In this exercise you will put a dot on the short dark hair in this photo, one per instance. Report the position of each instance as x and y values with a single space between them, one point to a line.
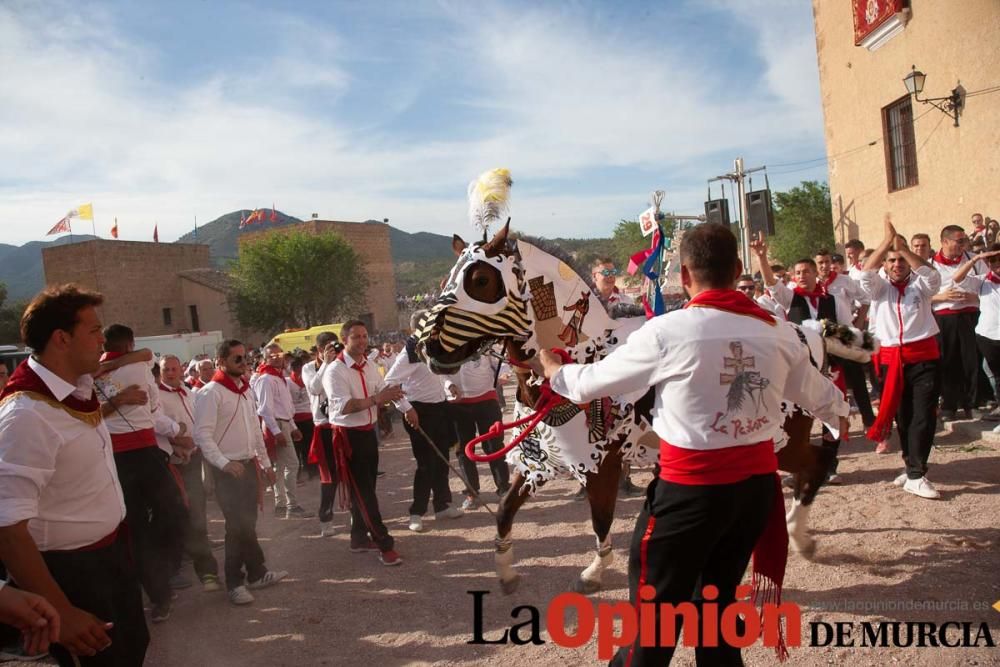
854 244
710 254
777 267
822 252
837 258
55 308
948 230
745 277
222 349
601 260
324 338
806 260
348 325
297 363
921 235
117 337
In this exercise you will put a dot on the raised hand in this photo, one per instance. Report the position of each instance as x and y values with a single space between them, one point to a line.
759 246
890 230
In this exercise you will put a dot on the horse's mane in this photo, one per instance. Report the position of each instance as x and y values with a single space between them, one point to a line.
551 248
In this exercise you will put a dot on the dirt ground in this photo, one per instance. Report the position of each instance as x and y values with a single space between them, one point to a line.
877 546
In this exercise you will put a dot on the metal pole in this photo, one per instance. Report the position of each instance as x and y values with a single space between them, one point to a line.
744 227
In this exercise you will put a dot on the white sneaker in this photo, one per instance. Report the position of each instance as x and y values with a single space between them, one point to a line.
921 487
450 512
416 524
996 429
900 481
269 579
834 479
470 504
240 595
327 529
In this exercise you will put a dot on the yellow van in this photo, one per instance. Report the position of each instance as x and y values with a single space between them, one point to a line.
303 338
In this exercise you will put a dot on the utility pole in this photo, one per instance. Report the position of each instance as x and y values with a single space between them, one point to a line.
737 177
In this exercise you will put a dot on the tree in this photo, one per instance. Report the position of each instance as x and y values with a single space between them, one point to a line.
803 222
296 279
10 319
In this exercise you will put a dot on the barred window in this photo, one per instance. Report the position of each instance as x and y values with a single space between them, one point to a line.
900 144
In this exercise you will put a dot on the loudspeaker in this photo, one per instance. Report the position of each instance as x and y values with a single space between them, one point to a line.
760 214
717 211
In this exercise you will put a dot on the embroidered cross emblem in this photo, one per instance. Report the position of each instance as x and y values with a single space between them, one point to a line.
736 363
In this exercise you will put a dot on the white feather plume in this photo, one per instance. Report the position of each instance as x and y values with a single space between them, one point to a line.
489 199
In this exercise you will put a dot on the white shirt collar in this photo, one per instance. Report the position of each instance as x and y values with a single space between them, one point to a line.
59 387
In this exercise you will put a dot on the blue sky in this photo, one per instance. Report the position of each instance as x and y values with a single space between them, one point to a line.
158 112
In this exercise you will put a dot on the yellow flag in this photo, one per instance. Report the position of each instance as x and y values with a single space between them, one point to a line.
86 212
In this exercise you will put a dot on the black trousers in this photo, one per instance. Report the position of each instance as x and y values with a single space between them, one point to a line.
917 415
472 419
431 473
327 492
364 503
155 515
104 582
196 543
687 537
305 427
990 349
854 376
959 360
237 498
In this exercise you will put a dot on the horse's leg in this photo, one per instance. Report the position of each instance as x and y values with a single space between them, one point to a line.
809 465
602 492
504 555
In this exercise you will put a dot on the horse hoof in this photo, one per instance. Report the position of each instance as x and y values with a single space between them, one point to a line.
508 586
586 586
805 548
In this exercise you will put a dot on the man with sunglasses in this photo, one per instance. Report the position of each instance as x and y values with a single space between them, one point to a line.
228 433
605 276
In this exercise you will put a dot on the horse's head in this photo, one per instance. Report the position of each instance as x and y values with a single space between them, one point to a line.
482 302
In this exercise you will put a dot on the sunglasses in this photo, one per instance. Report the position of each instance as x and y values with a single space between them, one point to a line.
745 288
607 272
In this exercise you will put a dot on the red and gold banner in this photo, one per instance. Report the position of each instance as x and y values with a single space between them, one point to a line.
870 14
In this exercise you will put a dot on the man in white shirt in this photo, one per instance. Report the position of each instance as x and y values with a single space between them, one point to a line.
302 417
274 405
321 446
475 408
720 368
228 433
425 406
61 506
156 512
905 326
177 403
355 389
957 312
988 327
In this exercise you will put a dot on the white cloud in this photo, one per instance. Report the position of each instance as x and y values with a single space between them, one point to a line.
561 98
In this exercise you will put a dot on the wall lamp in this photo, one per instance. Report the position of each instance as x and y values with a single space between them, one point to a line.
951 105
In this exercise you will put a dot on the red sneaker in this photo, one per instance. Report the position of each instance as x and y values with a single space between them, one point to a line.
390 558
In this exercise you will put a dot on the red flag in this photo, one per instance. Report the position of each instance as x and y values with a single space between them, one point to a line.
274 214
114 230
156 233
61 226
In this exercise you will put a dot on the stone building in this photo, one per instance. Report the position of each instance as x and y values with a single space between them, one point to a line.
890 152
371 241
154 288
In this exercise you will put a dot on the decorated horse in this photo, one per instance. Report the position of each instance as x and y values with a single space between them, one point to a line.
526 295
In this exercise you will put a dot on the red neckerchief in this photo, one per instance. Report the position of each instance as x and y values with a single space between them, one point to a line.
267 369
108 356
829 279
228 382
993 278
940 258
297 379
197 384
25 379
731 301
353 364
813 296
179 390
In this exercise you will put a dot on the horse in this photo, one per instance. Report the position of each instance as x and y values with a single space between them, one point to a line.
516 292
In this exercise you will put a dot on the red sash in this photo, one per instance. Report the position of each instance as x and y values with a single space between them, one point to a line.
894 359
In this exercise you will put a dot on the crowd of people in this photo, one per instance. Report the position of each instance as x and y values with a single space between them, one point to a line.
108 457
